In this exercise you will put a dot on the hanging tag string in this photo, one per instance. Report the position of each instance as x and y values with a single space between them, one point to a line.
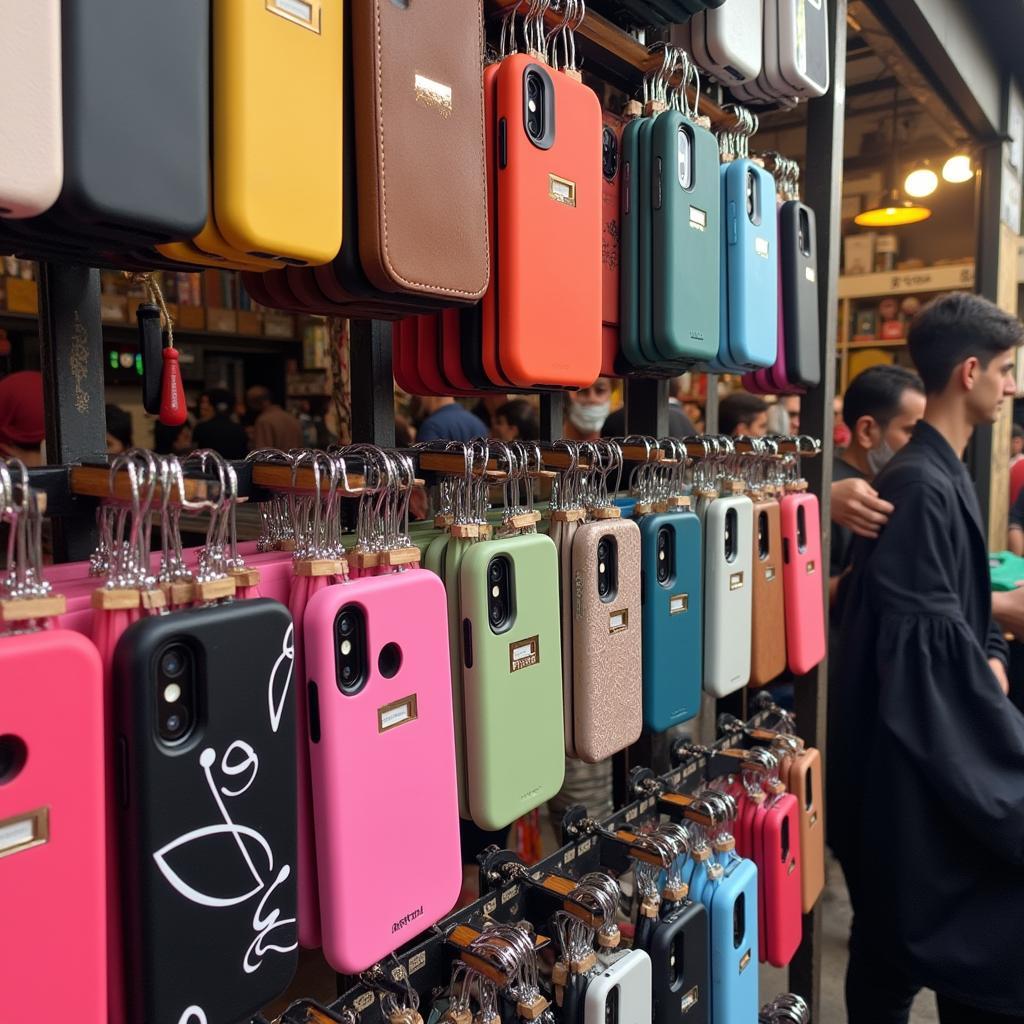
156 296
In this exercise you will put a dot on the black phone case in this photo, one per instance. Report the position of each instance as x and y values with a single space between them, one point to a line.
209 825
800 295
680 967
136 96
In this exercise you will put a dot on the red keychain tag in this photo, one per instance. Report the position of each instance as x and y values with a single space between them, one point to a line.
173 410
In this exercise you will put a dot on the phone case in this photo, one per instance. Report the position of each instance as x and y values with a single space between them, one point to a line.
686 240
513 682
727 596
796 46
728 42
270 138
798 243
209 825
611 205
132 187
780 868
632 213
734 940
31 131
802 579
398 719
679 950
645 246
672 637
607 647
804 781
628 976
454 552
768 613
549 211
53 824
752 267
419 119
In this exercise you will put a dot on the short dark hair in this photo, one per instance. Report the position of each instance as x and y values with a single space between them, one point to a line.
222 400
1017 430
520 413
119 424
737 409
955 327
878 392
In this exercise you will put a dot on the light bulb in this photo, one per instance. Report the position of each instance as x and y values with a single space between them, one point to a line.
921 182
957 169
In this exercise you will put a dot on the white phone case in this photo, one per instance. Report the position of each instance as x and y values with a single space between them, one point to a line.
727 595
630 974
803 46
31 131
727 42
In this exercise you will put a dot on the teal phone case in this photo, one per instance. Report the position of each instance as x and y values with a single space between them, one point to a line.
645 247
686 236
672 629
629 247
515 756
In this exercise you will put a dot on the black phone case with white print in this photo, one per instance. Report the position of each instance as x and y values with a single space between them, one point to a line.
208 825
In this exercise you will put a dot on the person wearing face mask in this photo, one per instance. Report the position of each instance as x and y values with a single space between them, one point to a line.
587 409
881 407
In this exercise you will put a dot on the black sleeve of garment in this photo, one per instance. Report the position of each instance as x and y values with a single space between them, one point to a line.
938 699
996 645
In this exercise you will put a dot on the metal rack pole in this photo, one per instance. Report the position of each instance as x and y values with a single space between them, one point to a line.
373 386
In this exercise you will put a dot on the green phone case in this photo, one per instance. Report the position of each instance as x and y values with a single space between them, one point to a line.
645 245
513 682
454 553
629 247
686 244
433 557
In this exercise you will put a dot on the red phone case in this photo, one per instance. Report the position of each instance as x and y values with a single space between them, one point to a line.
450 349
611 199
802 582
549 233
403 351
53 828
427 328
780 868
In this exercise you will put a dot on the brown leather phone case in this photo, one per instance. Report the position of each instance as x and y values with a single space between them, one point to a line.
420 147
803 779
768 615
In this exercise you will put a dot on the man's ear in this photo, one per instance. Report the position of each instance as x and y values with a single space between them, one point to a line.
968 372
862 431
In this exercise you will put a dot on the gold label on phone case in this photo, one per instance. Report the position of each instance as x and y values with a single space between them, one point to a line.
689 1000
523 653
363 1002
434 95
678 603
813 819
618 620
761 247
698 219
744 961
561 190
300 12
810 274
736 581
810 568
391 716
769 573
24 831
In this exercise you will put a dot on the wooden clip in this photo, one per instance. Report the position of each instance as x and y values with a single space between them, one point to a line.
21 609
650 907
153 600
533 1009
321 567
639 853
361 560
568 515
214 590
632 110
676 893
638 453
465 531
659 506
523 520
245 577
606 512
679 501
442 522
108 599
179 593
400 556
95 482
680 802
643 508
586 963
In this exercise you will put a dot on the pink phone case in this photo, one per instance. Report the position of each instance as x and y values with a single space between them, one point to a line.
764 926
802 583
53 886
780 869
384 788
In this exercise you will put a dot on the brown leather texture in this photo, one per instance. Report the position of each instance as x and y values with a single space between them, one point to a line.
422 183
607 670
805 783
768 612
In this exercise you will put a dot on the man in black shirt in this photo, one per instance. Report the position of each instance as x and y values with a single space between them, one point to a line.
221 432
926 772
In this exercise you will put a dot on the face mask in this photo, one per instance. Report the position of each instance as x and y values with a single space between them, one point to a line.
878 458
588 419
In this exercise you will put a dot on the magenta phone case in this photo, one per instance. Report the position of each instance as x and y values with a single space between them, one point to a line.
383 764
802 582
780 870
53 887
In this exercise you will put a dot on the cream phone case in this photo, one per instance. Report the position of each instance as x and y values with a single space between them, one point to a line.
31 132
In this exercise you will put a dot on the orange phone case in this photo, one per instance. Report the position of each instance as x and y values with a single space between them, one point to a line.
768 612
611 200
803 780
549 237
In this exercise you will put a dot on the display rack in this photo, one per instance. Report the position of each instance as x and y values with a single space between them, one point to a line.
71 344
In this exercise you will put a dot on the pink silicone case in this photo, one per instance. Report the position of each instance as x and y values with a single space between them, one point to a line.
53 894
384 789
781 874
803 589
764 925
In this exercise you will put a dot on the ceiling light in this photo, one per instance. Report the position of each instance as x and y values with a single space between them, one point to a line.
893 212
921 182
957 169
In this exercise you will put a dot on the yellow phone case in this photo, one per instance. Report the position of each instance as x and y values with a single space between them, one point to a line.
277 96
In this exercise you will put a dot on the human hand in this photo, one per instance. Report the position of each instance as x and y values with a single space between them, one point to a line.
1008 610
857 506
999 671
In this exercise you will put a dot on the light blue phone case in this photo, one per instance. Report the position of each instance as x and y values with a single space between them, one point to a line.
734 971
